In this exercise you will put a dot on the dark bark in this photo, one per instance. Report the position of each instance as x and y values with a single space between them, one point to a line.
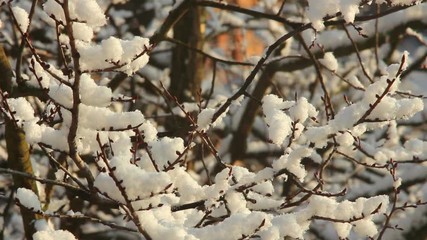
17 148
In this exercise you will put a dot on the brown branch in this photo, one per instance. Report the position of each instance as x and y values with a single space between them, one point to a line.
277 18
329 108
256 69
372 16
238 143
44 180
91 219
250 12
414 65
128 208
353 219
173 17
385 92
356 49
281 8
76 100
377 37
18 150
375 104
225 61
22 44
52 159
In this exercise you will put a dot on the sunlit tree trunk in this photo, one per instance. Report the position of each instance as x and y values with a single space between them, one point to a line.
17 148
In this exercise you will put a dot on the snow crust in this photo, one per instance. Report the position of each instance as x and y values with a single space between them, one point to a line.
54 235
28 199
87 11
21 17
317 10
120 55
45 231
329 61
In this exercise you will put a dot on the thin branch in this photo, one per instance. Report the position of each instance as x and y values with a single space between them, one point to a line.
72 145
44 180
22 44
256 69
228 62
52 159
358 53
128 208
281 8
329 108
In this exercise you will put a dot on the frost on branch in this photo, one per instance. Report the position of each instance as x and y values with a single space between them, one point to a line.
115 54
204 119
280 125
128 174
348 9
87 11
319 9
375 109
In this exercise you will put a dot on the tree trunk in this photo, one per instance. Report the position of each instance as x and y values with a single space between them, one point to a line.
18 149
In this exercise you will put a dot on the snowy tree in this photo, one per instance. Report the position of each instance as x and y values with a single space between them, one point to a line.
194 119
